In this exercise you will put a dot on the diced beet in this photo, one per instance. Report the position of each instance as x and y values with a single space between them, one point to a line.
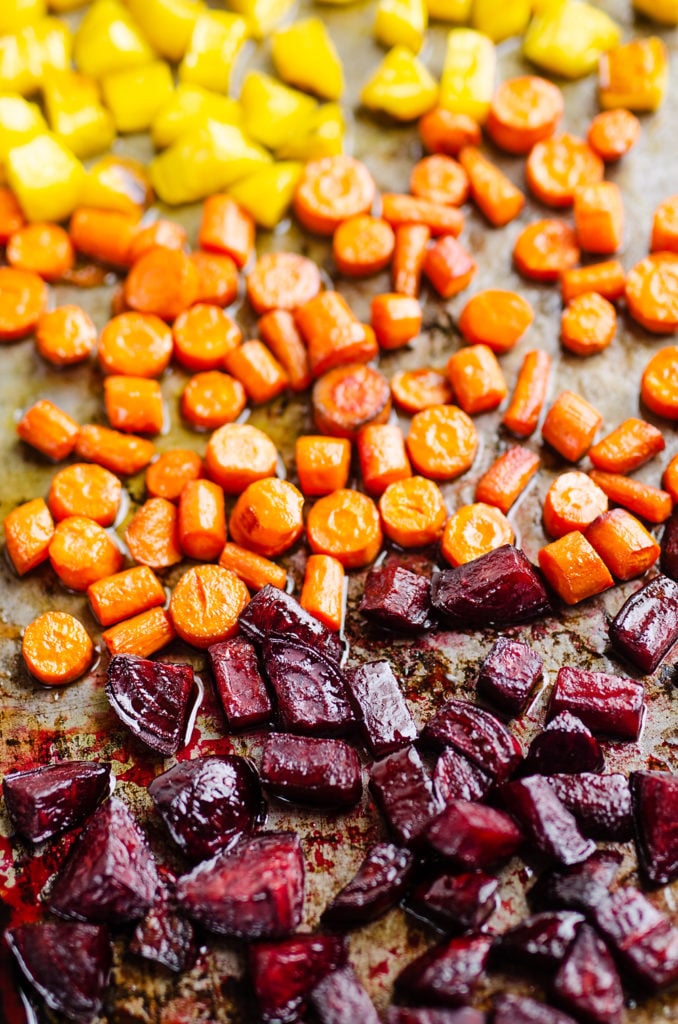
655 808
417 1015
110 875
456 902
208 802
253 891
501 588
642 937
310 770
67 964
163 936
477 734
473 835
580 887
510 1009
546 821
398 598
608 704
600 803
341 999
274 613
384 718
377 886
457 778
310 690
42 802
566 746
448 974
669 546
284 972
646 626
151 698
404 793
540 941
587 982
509 675
239 682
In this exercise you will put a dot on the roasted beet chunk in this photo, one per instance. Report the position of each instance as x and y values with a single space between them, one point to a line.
377 886
580 887
163 936
646 626
110 875
310 690
254 891
341 999
310 770
546 821
600 803
669 555
473 835
207 803
284 972
151 699
457 778
240 685
404 794
273 613
42 802
565 745
509 674
655 807
478 735
68 964
456 902
446 975
642 937
587 982
397 598
500 588
381 710
416 1015
605 703
540 941
510 1009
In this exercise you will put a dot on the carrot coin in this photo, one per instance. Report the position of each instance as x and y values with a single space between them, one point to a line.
587 324
57 648
218 279
441 179
42 248
416 390
545 249
665 226
23 298
442 442
211 399
267 517
81 552
413 512
395 319
29 529
349 398
85 489
572 502
163 282
164 233
152 534
238 454
363 245
474 530
659 383
206 603
652 292
65 335
282 280
331 190
612 133
444 131
138 344
203 336
558 166
346 525
524 110
497 318
171 471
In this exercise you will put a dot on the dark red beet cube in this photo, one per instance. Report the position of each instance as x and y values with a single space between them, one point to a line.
397 598
580 887
341 999
540 941
600 803
446 975
253 891
457 778
546 821
151 698
239 682
643 939
564 746
163 936
310 690
477 734
509 674
273 613
456 902
608 704
587 982
378 885
655 807
417 1015
669 546
404 793
67 964
208 802
41 802
473 835
384 718
500 588
110 875
284 972
646 626
510 1009
310 770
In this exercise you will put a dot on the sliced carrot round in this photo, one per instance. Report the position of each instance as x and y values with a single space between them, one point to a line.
164 233
171 471
206 603
652 292
416 390
43 248
445 131
572 502
136 344
395 319
363 245
558 166
23 298
345 524
413 512
203 337
85 489
65 335
659 383
588 324
282 280
497 318
545 249
612 133
152 534
163 282
218 279
349 398
442 442
237 454
441 179
331 190
665 226
211 399
267 517
524 110
81 552
474 530
57 648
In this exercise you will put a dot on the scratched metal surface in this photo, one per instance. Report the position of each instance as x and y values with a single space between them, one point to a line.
38 725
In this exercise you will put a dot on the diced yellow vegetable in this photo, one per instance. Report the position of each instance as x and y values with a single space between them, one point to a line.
63 6
501 20
665 11
20 121
203 161
469 71
27 54
401 23
167 24
216 41
76 114
108 39
634 75
267 193
117 183
568 39
135 96
262 15
16 14
304 55
322 135
450 10
190 107
401 86
45 177
273 112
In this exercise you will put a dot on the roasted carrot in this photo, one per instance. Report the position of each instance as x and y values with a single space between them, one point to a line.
217 277
267 517
81 552
607 279
138 344
349 398
477 379
411 241
202 520
227 229
546 249
333 333
171 471
324 590
599 217
125 594
362 245
65 335
570 425
652 292
669 480
143 634
523 111
162 282
623 543
612 133
572 502
23 299
573 568
29 529
57 648
346 525
495 195
442 442
257 369
588 324
472 531
152 534
445 131
508 476
134 404
203 337
254 570
282 280
279 332
11 215
211 399
659 383
382 455
48 429
665 226
416 390
395 319
237 454
413 512
558 166
167 234
633 443
85 489
496 317
123 454
323 463
42 248
522 414
449 267
644 500
331 190
206 603
103 235
441 179
399 209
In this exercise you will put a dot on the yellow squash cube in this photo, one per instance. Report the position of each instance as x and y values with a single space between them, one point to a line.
27 54
401 86
458 11
501 20
46 178
108 39
304 55
321 135
117 183
16 14
664 11
273 112
262 15
76 114
268 192
216 41
19 122
568 39
634 75
134 96
190 107
469 72
401 23
167 24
